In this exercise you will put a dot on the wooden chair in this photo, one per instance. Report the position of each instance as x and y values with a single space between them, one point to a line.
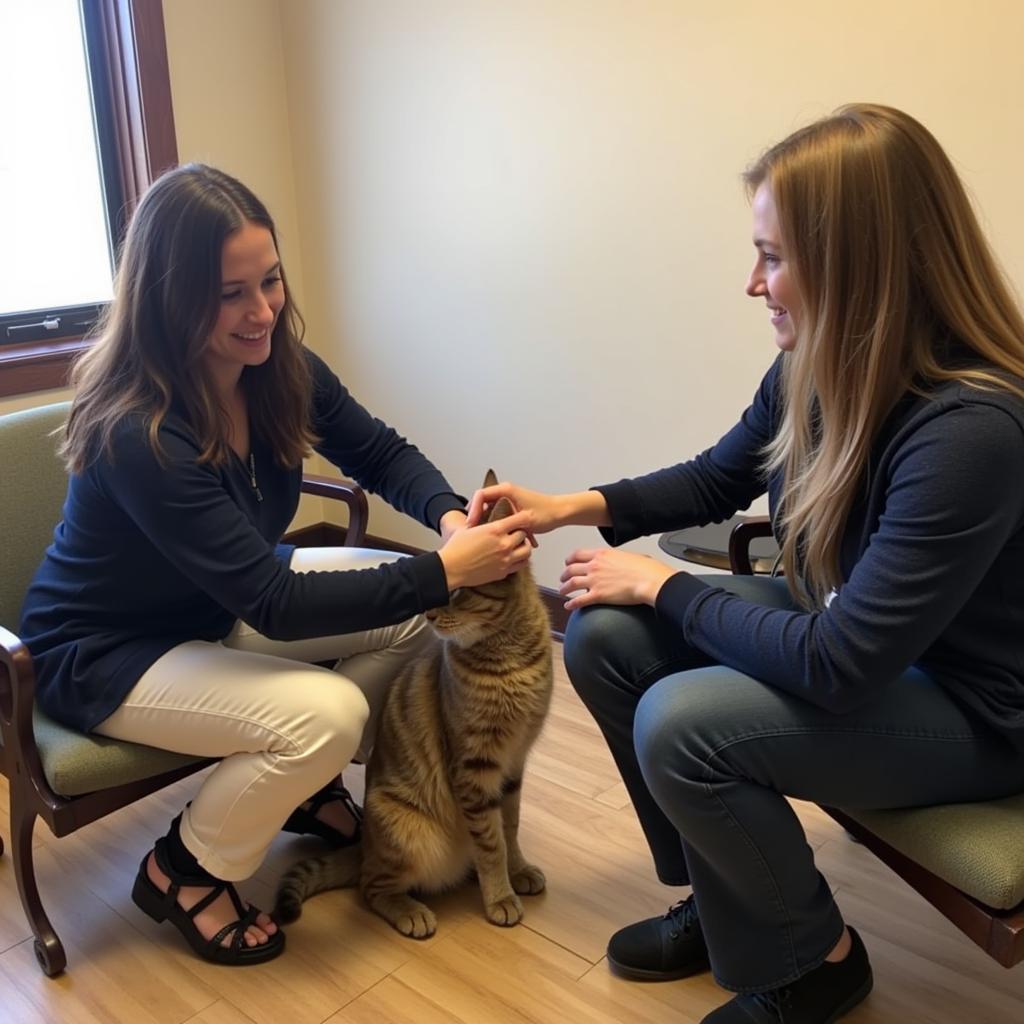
967 860
63 777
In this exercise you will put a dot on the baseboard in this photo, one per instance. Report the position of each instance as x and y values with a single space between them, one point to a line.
330 534
555 604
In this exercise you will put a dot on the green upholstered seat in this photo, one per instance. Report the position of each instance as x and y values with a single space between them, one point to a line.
32 488
75 764
979 848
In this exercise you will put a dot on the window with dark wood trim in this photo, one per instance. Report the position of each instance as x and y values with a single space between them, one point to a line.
132 90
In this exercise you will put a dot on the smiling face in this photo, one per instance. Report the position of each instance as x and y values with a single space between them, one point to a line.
251 298
771 278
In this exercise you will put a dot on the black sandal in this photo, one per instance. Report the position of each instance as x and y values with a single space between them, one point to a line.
164 906
303 820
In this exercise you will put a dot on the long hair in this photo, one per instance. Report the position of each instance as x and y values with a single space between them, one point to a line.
899 292
152 339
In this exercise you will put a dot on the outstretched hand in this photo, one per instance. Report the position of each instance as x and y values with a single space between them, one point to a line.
607 576
541 509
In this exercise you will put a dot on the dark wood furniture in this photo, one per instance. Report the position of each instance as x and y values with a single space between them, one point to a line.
66 779
968 843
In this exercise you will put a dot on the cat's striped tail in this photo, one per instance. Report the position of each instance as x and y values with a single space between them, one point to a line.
337 870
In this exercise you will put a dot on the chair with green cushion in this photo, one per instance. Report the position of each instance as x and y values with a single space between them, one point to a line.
967 860
66 778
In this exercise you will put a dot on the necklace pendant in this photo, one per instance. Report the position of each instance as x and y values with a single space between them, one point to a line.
252 477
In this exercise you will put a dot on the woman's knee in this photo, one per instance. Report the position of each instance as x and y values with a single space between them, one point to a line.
679 723
592 637
329 719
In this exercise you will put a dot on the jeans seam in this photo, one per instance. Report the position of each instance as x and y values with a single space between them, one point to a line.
658 669
779 901
801 730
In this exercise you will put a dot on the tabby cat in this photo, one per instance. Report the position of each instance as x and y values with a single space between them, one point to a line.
443 784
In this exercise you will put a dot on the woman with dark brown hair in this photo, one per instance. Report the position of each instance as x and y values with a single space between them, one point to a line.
167 613
886 669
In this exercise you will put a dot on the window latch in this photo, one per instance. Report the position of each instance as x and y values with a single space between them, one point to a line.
51 323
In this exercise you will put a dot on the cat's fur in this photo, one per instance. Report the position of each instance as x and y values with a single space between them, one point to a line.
443 784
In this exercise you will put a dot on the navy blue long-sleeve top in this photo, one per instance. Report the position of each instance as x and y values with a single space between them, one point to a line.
151 554
931 561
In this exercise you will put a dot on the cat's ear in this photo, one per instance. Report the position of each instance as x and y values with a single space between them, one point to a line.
501 510
504 507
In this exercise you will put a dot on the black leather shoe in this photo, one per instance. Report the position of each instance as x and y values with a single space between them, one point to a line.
660 948
820 997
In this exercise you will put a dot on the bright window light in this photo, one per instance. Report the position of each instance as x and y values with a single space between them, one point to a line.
55 250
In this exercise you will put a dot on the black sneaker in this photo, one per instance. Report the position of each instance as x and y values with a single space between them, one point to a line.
660 948
820 997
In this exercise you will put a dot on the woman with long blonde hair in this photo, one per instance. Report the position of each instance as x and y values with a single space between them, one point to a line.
167 613
885 670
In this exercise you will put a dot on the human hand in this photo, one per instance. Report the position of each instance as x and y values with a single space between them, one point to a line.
607 576
473 555
544 510
451 521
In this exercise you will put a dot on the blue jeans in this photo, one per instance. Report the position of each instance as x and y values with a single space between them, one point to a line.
708 755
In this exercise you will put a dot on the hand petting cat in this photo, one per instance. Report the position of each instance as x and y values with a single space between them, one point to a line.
545 512
474 555
593 575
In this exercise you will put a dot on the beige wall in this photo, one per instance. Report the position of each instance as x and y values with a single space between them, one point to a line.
523 232
517 230
230 110
230 101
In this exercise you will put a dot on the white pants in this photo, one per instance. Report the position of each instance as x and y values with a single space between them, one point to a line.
282 728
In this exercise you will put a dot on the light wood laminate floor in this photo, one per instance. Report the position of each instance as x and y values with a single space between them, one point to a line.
346 966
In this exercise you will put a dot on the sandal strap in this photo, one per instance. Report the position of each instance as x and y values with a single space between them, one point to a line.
208 899
239 927
304 820
216 885
241 908
331 792
163 862
169 898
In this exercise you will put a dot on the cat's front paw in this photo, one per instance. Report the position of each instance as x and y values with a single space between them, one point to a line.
505 912
420 924
528 880
412 918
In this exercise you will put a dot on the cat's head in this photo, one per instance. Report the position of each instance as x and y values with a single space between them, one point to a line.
473 613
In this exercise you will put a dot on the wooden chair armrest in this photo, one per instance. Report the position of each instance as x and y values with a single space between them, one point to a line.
349 492
743 534
17 693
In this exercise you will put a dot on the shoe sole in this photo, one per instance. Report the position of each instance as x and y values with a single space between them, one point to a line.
859 996
642 974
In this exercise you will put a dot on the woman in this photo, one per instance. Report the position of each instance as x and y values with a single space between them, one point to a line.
164 613
885 671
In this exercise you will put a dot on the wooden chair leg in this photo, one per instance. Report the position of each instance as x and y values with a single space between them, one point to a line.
47 947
